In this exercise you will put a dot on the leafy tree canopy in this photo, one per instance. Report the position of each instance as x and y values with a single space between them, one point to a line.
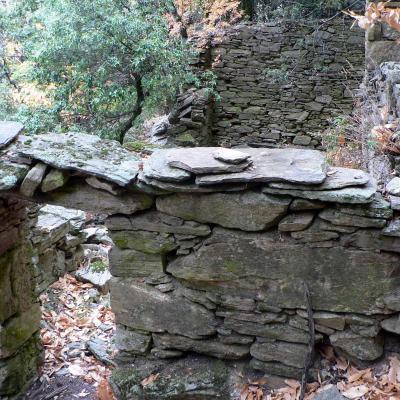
99 63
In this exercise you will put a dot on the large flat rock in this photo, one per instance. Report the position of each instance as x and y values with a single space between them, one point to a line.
85 153
8 132
248 211
282 165
337 178
348 195
252 264
84 197
202 160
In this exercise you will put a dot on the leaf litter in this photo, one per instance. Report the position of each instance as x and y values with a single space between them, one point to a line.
380 383
73 314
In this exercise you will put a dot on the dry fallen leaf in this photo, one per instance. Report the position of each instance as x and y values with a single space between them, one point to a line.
104 391
151 378
356 392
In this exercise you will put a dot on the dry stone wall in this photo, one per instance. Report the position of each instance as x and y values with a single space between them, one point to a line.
37 247
277 82
213 249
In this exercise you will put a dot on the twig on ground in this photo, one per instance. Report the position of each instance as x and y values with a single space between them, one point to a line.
310 355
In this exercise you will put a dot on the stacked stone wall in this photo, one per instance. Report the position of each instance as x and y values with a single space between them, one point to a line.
213 249
20 313
277 83
36 247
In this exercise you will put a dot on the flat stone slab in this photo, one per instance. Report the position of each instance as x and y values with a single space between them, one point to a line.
156 167
230 156
201 160
85 153
11 174
248 211
8 132
337 178
184 187
350 195
282 165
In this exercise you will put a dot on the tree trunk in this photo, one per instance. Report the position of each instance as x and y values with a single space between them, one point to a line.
137 110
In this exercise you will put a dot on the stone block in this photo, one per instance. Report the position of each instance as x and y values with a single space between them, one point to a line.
142 307
256 211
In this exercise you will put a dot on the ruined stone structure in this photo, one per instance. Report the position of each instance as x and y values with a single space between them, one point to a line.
36 248
278 83
213 249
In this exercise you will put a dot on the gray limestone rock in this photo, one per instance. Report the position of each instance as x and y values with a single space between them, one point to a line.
330 320
250 264
249 211
55 179
201 160
156 168
11 174
292 354
351 195
166 354
76 218
155 221
392 324
285 165
99 348
144 241
305 205
18 330
99 184
356 346
378 208
140 306
230 156
296 222
130 341
337 178
395 202
373 240
33 179
84 197
392 300
9 131
133 263
89 154
189 378
313 234
393 229
330 393
98 277
275 331
209 347
185 187
338 218
277 368
393 187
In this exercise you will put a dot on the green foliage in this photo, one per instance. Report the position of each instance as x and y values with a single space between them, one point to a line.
99 62
98 266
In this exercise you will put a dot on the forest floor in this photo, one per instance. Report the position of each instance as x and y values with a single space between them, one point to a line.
77 330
